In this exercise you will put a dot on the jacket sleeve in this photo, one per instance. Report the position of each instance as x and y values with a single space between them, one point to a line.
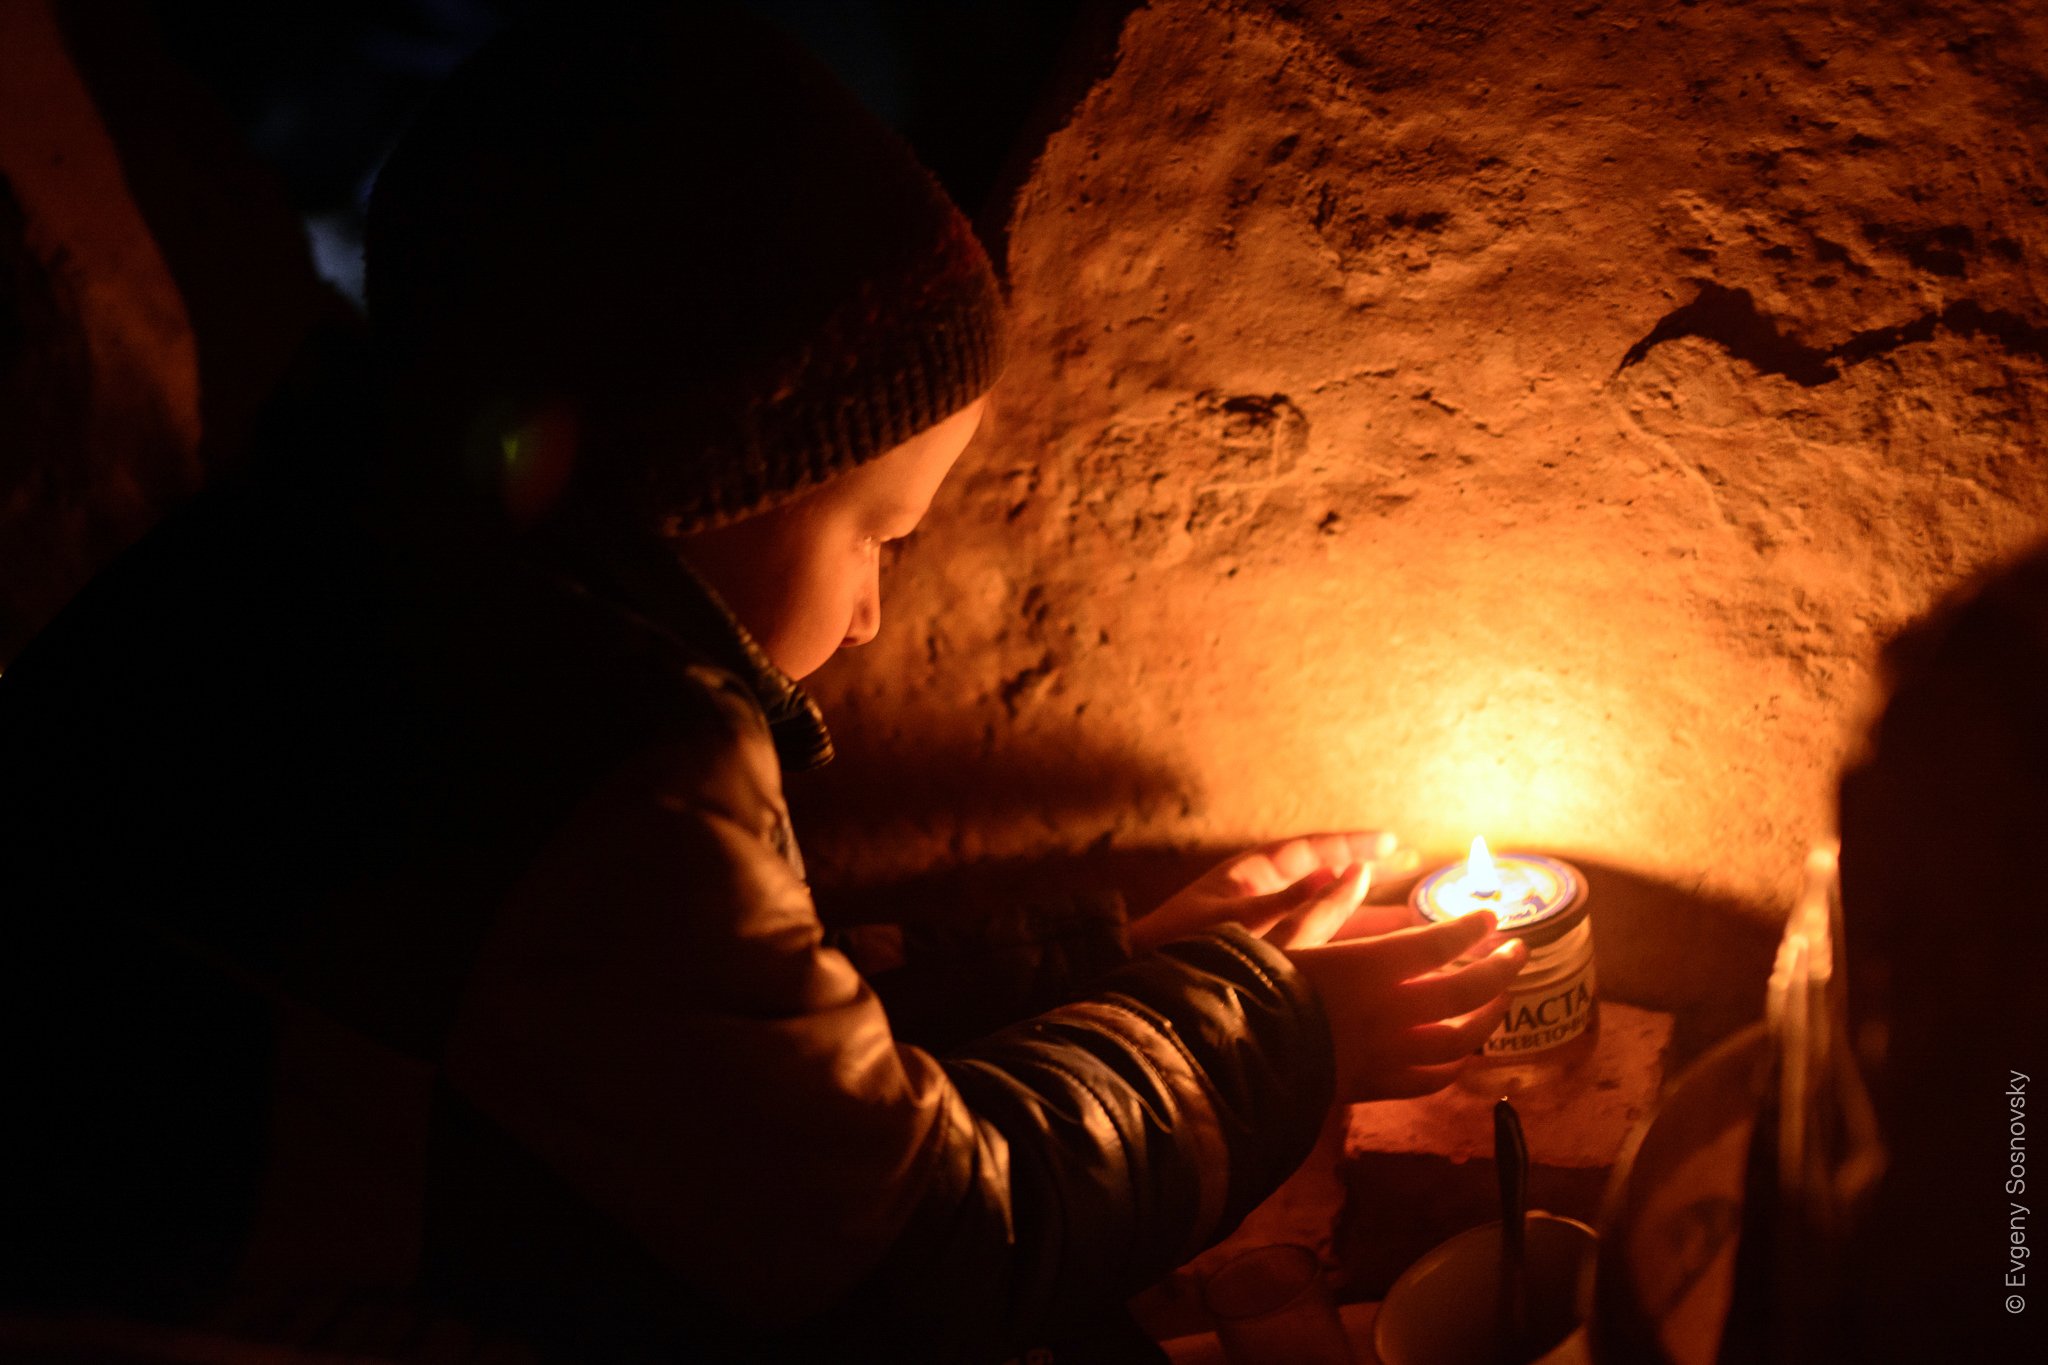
963 962
656 1018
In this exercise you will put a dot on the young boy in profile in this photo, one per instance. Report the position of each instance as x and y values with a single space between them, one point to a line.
410 884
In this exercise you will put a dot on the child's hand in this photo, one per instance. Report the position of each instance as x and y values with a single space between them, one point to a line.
1293 893
1401 1019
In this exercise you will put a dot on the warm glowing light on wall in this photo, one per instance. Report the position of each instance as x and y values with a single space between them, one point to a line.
1543 759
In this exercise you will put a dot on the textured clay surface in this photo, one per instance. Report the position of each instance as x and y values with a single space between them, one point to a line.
1522 419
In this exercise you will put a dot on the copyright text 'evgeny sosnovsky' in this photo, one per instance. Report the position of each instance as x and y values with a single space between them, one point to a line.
2015 1185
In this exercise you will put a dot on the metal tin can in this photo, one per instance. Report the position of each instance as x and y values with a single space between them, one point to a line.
1543 902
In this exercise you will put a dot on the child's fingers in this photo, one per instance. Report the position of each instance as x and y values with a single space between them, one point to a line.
1373 921
1253 874
1324 912
1296 857
1376 844
1398 862
1447 995
1264 914
1378 963
1446 1040
1334 849
1415 1081
1343 847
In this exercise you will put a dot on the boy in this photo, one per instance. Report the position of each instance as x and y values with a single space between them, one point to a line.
402 856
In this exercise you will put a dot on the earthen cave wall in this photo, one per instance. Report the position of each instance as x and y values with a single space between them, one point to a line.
1526 419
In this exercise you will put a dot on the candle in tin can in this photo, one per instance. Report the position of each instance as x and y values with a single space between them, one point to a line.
1541 901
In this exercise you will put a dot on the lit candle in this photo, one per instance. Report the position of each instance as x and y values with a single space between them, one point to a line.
1541 901
1522 889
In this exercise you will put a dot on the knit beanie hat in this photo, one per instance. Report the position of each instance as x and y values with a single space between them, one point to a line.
682 225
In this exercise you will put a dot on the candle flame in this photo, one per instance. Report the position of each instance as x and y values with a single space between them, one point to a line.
1482 878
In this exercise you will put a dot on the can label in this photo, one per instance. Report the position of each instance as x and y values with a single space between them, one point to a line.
1553 1013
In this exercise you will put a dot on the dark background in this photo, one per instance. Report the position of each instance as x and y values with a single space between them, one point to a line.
321 89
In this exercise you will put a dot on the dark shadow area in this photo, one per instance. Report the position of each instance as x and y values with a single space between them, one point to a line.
45 416
1070 69
1702 958
936 800
1729 318
984 83
1140 878
1966 318
1400 1204
322 90
219 216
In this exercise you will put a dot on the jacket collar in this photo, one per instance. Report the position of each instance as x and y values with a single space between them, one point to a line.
644 574
794 721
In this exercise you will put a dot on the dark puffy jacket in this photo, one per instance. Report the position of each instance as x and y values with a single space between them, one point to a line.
406 944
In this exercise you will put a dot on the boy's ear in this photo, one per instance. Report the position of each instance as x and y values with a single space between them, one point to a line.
535 455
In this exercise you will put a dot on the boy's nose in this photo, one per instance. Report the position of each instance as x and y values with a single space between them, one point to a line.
867 615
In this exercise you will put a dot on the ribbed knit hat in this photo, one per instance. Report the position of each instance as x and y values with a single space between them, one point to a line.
683 225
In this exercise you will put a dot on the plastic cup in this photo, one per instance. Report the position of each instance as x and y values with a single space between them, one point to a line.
1272 1308
1444 1310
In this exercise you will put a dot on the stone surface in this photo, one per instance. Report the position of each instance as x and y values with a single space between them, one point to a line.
1519 418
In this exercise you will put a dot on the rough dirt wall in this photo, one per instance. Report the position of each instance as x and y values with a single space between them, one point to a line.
1518 418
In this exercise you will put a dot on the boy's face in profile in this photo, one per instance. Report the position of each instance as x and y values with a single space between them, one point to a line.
805 577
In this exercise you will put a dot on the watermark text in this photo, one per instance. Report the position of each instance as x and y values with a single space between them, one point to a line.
2017 1251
